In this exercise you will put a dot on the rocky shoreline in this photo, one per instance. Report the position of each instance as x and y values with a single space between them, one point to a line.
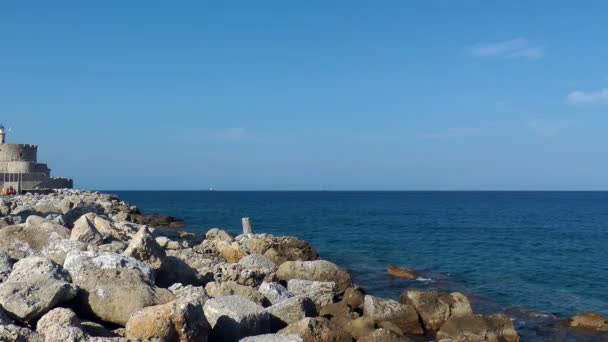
84 266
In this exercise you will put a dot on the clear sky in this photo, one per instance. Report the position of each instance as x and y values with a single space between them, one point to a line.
311 95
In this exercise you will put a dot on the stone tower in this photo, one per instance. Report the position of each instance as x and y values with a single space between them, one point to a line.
20 169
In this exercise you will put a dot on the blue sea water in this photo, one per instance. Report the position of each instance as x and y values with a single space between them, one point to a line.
544 251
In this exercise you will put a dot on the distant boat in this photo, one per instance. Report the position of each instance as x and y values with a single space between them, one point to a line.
211 189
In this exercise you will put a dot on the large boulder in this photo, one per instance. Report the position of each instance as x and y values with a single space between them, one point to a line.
249 277
84 231
61 325
230 288
495 328
144 247
384 335
231 252
35 286
180 320
261 264
274 292
435 308
318 270
292 310
402 315
321 292
58 247
317 329
277 248
590 321
233 318
113 286
31 238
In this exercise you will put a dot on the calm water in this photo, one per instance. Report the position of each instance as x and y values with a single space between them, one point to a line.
545 251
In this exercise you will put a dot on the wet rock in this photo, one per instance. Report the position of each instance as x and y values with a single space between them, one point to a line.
401 272
495 328
292 310
402 315
35 286
84 231
435 308
318 270
113 286
321 293
230 288
233 318
590 321
144 247
317 329
274 292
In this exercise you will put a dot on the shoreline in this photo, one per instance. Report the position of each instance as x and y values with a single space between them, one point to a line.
81 234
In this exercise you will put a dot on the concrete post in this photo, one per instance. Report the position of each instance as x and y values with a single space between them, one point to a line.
247 226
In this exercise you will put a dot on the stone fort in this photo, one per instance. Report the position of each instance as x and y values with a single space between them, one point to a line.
20 168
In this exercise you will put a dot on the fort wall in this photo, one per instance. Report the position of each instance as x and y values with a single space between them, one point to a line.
15 152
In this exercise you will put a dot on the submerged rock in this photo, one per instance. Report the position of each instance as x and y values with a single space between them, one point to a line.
35 286
401 272
590 321
495 328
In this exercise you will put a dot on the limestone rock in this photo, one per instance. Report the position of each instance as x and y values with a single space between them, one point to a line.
58 248
273 338
318 270
384 335
322 293
116 247
317 329
15 333
401 272
292 310
233 318
144 247
112 286
495 328
277 249
274 292
6 265
230 251
84 231
215 234
335 309
435 308
590 321
29 239
35 286
180 320
61 325
402 315
230 288
261 264
353 297
249 277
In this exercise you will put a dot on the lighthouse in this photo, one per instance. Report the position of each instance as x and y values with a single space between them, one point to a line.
2 135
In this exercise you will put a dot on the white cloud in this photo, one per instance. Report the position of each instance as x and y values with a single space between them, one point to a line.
452 132
580 97
514 48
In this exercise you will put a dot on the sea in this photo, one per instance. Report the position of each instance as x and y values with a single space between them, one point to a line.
539 257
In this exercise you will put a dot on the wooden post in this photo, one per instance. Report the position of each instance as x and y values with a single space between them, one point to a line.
247 226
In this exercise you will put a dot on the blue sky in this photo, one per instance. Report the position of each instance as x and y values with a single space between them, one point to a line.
310 95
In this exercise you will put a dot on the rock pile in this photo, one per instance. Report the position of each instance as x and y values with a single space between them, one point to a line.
84 266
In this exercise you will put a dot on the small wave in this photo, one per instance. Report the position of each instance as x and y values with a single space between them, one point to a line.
423 279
